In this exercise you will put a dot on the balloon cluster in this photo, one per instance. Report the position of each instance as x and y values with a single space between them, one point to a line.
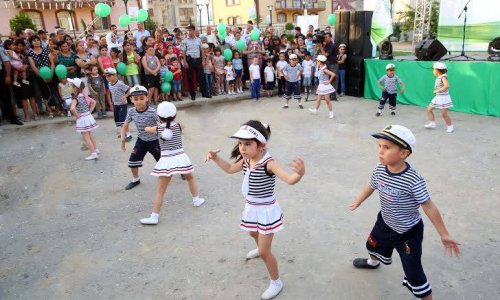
46 73
221 28
166 86
142 15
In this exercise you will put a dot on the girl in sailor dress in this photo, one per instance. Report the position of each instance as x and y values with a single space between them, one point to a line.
442 100
82 108
325 87
262 216
173 159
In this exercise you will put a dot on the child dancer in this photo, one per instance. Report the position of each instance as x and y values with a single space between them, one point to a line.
389 89
143 115
269 77
308 66
230 74
325 87
85 123
218 62
97 91
254 73
119 95
262 216
442 100
399 224
238 68
292 73
173 159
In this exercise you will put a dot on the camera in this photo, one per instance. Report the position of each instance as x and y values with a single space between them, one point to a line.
319 36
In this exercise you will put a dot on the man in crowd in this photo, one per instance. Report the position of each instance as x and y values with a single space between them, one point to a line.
211 37
44 38
192 59
91 46
8 109
139 35
298 33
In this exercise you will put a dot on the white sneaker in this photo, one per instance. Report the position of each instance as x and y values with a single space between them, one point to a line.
152 220
313 110
330 115
92 156
273 290
198 201
450 129
253 253
97 151
431 125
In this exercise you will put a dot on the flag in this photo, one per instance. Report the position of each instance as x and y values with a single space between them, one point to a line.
382 21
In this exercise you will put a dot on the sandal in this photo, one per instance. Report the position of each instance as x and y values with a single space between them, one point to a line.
362 263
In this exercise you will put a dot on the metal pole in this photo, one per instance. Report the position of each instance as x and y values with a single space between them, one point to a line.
126 11
271 17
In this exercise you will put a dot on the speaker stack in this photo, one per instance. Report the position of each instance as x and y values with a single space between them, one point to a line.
353 28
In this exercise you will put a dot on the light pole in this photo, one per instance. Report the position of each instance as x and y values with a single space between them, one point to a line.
207 4
200 6
68 6
126 11
304 2
270 8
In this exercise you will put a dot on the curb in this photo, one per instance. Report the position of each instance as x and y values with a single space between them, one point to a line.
181 105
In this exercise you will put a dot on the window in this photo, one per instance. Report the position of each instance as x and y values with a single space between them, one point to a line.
101 23
281 18
66 19
230 21
36 18
237 20
232 2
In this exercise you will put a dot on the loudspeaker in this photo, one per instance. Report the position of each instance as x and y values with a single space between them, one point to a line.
430 50
360 26
355 76
342 27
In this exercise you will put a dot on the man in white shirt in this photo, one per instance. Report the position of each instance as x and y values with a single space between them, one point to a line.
211 38
230 38
141 33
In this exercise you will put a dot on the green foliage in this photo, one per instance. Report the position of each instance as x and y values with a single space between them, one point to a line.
407 18
290 37
150 25
434 18
396 30
21 21
289 26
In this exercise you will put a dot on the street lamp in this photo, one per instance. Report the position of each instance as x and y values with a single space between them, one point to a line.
304 2
68 7
207 3
200 6
270 8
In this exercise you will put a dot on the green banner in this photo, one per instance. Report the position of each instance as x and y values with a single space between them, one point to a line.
474 86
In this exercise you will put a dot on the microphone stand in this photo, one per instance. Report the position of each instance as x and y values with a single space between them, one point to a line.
462 54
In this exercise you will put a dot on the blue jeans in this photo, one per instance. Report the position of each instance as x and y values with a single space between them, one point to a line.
256 89
209 79
342 81
176 86
133 80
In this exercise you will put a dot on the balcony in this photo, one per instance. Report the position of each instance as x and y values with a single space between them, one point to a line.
294 6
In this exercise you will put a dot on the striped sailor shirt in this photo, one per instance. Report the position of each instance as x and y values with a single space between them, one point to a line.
400 196
143 119
390 83
258 185
175 143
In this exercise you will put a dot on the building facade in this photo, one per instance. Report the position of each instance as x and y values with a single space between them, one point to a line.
173 13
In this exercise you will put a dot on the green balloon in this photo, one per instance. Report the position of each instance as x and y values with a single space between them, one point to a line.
255 34
61 71
240 45
331 19
121 68
166 87
142 15
222 35
103 10
45 73
124 20
228 54
221 27
168 76
98 8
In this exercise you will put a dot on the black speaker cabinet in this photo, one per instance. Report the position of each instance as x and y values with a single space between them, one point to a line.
430 49
360 26
342 27
355 76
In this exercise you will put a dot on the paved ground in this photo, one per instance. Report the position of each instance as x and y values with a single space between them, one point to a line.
68 230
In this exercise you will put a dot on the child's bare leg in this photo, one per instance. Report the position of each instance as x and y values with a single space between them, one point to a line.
161 187
446 117
108 100
193 188
328 103
265 243
88 142
318 101
255 236
430 114
92 140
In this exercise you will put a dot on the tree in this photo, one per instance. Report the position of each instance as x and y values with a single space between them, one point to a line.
407 18
434 18
21 21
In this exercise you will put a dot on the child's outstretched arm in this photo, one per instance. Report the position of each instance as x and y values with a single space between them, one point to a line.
432 212
297 165
124 134
365 193
224 165
402 87
151 129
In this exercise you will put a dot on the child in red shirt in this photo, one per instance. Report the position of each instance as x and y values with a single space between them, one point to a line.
176 83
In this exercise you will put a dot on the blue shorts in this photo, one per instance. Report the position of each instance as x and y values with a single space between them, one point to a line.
140 149
383 240
239 73
176 85
307 81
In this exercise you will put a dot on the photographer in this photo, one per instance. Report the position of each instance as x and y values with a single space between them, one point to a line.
329 49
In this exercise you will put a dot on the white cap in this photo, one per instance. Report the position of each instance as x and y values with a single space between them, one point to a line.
293 56
248 132
110 71
390 66
166 110
399 135
342 46
439 66
321 58
75 81
138 90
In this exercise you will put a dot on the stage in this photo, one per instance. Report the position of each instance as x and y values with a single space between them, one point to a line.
474 85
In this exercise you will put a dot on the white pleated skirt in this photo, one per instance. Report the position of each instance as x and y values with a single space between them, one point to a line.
442 101
173 162
264 219
86 123
325 89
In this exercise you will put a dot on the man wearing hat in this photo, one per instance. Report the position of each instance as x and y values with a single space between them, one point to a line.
192 61
143 115
399 225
